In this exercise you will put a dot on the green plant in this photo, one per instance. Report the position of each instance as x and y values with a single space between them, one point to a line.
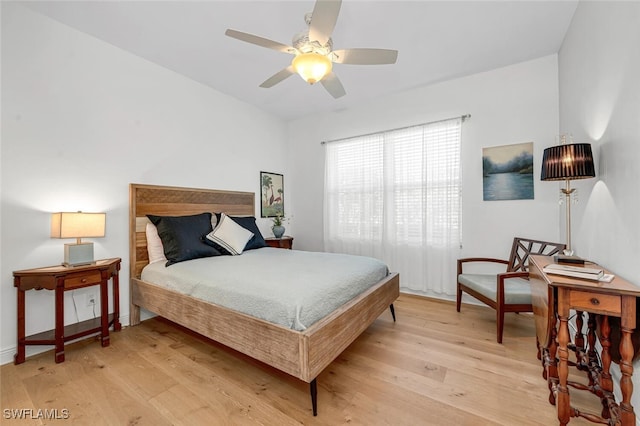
278 220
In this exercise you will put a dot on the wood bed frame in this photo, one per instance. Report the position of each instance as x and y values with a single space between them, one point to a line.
302 354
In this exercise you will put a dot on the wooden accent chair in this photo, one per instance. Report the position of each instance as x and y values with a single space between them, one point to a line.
508 291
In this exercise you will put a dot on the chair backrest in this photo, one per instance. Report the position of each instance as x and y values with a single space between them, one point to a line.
523 247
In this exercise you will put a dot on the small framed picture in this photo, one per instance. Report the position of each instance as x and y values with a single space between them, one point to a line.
271 194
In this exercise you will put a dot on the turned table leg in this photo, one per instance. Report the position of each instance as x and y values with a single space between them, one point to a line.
628 324
579 337
562 399
552 369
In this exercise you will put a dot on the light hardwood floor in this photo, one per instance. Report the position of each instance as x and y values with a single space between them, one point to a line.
434 366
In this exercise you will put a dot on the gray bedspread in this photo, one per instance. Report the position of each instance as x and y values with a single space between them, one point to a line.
292 288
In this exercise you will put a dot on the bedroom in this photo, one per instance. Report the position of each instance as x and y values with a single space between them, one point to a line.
88 138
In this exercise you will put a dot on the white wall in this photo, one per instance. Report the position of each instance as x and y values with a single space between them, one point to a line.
81 120
515 104
599 65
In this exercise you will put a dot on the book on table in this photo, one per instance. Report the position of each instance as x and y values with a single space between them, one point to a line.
575 271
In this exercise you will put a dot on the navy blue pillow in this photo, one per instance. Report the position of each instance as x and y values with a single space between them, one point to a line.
181 236
249 223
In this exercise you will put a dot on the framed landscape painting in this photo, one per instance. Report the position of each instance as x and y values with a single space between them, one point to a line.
508 172
271 194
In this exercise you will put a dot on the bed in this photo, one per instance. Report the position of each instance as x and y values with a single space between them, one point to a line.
303 354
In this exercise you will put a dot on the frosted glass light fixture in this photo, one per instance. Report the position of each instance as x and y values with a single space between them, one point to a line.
312 66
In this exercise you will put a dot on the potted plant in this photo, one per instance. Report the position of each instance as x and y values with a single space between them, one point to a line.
278 228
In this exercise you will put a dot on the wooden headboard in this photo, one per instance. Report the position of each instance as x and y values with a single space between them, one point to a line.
175 201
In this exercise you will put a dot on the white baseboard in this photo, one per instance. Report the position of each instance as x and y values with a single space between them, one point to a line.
465 297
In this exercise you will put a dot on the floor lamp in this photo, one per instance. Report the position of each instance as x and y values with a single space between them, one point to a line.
568 162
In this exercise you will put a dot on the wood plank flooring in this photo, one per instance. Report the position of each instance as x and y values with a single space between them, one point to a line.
434 366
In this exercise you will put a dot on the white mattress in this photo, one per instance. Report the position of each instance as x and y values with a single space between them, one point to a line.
292 288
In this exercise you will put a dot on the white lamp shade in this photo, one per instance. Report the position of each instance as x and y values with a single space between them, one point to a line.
77 225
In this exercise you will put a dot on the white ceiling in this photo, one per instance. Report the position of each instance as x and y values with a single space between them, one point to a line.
436 40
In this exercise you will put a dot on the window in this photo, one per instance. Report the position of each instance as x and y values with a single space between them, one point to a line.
396 193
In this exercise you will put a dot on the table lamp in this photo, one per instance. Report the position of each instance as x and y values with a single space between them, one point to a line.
78 225
568 162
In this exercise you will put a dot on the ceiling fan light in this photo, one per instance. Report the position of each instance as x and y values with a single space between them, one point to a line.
312 67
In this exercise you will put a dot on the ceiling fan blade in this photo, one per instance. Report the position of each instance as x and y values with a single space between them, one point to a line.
260 41
323 20
365 56
333 85
278 77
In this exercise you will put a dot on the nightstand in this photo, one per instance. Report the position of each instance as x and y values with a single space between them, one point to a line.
603 301
60 279
285 242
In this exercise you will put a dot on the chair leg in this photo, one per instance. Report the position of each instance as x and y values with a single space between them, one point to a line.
458 298
500 323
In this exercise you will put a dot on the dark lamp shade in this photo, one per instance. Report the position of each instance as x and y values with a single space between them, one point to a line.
568 162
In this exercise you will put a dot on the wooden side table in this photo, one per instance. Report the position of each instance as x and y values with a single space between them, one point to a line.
614 299
285 242
60 279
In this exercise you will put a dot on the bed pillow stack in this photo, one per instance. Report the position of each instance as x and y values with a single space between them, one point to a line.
174 239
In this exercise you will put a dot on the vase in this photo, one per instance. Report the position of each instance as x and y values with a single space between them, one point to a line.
278 231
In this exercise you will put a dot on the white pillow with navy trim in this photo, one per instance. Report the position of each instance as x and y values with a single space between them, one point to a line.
229 235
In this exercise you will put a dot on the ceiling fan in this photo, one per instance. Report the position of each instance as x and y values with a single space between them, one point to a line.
313 50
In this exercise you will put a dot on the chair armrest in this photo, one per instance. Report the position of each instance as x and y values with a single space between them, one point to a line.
505 276
479 259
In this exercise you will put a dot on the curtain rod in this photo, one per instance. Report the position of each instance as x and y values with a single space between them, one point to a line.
462 117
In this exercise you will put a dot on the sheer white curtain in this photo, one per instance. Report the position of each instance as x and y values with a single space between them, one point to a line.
396 196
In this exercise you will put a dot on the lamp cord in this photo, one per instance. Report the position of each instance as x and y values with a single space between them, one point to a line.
75 307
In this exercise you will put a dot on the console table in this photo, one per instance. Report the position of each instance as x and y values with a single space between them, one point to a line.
553 296
60 279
